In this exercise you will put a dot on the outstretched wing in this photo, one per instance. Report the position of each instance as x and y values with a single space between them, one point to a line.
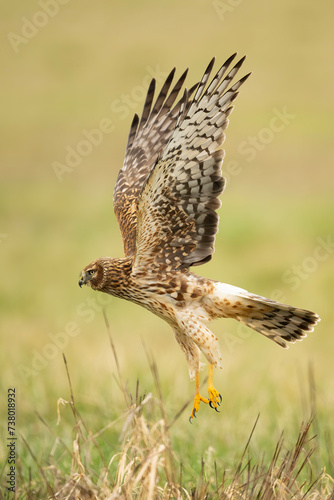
147 138
177 219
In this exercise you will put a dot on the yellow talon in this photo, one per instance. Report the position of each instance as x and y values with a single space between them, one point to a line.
214 397
198 398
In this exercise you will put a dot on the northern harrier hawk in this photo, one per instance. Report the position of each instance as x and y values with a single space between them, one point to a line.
165 200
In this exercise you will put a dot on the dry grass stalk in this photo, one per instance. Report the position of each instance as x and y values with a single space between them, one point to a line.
146 461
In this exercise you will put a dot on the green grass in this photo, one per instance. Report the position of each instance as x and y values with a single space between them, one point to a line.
64 80
140 449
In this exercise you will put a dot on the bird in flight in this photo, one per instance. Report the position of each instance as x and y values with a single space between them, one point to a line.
165 200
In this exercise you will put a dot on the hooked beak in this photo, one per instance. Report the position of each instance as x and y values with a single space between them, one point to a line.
82 280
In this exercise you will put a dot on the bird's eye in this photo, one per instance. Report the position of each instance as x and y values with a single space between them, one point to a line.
91 271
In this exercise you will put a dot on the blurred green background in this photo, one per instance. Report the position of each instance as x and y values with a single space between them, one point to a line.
68 65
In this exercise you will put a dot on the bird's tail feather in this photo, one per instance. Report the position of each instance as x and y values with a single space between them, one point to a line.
279 322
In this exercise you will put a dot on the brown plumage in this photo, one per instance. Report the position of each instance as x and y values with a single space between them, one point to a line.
165 200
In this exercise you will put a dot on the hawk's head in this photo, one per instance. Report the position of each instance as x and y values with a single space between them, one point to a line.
108 275
93 275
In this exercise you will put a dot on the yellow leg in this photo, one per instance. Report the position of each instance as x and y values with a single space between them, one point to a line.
214 396
198 398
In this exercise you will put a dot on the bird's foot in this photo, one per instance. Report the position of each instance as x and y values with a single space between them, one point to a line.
215 398
198 398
